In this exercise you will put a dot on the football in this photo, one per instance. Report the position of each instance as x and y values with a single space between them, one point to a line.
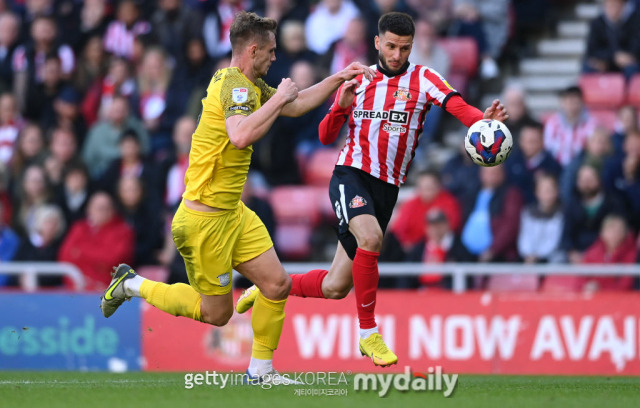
488 142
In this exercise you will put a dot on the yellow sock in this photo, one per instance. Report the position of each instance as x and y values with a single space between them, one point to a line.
178 299
267 319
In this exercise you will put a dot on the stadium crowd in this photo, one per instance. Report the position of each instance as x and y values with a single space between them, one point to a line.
98 101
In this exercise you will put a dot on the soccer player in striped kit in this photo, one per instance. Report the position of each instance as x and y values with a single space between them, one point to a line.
385 117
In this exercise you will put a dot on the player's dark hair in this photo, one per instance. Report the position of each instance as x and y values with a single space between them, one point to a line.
130 134
573 90
396 23
534 124
430 173
248 26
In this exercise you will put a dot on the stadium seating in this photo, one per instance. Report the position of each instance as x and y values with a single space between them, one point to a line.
319 168
603 91
293 241
633 93
513 283
296 205
154 272
606 117
562 284
463 53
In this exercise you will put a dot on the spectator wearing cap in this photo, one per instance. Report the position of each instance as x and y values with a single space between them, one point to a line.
66 107
73 194
566 131
131 162
103 141
429 194
439 244
612 44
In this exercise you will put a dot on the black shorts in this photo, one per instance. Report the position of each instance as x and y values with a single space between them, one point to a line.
354 192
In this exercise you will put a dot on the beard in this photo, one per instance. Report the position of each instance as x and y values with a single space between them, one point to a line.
589 193
385 65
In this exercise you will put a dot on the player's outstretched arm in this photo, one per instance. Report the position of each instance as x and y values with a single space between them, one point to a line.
243 131
312 97
330 126
496 111
469 115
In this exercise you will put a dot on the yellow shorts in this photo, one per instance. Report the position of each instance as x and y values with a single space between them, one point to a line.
212 244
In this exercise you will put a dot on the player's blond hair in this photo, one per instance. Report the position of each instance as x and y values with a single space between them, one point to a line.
248 26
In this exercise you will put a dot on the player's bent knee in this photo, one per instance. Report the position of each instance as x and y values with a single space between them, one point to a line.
371 241
278 288
335 291
216 318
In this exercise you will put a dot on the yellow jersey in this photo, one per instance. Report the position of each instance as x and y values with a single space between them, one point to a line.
218 170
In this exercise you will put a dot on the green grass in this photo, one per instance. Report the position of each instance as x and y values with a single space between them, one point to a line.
88 390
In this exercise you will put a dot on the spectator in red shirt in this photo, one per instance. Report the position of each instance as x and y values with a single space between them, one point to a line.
429 194
616 245
98 242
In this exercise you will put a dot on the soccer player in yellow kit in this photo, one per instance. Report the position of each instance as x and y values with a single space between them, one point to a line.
213 230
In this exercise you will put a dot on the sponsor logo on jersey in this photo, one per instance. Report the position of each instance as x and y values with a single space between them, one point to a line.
239 108
225 278
240 95
357 202
390 116
390 128
402 94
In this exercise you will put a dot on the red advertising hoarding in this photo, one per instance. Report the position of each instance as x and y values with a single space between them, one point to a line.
466 333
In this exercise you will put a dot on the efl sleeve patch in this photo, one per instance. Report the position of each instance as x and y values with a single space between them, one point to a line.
240 95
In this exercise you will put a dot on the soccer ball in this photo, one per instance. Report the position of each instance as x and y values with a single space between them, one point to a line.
488 142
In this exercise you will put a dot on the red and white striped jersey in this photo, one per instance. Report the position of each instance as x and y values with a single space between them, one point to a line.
386 121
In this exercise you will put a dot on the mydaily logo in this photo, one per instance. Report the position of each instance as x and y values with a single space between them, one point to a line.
433 380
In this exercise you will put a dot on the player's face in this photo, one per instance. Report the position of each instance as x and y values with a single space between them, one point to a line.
393 50
265 55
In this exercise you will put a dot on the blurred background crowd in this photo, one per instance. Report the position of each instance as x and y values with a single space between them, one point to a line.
99 98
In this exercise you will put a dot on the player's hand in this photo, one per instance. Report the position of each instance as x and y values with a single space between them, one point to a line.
347 93
354 69
288 90
496 111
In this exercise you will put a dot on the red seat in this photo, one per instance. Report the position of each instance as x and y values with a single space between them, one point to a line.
154 272
562 284
633 93
463 52
605 91
319 167
296 204
605 117
293 241
513 283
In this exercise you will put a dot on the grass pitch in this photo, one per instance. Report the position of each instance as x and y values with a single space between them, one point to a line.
89 390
